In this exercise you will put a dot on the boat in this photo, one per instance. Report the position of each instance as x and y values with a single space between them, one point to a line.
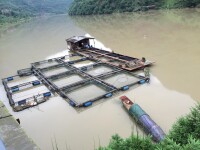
143 119
83 46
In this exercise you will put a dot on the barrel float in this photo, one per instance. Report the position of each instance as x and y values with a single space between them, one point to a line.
108 95
84 69
15 89
125 88
47 94
83 58
22 102
70 62
86 104
34 83
72 103
142 81
9 78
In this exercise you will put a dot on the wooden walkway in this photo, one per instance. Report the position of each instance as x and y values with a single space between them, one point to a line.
12 134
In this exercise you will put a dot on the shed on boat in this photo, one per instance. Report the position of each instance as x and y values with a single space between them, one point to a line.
78 42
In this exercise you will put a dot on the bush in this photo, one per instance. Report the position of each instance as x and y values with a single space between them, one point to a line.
88 7
186 127
133 142
184 135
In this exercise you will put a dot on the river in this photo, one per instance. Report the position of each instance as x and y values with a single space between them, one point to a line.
170 38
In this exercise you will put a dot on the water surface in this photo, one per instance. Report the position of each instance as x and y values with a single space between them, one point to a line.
171 38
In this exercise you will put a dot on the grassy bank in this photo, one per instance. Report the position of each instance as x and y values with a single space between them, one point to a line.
184 135
90 7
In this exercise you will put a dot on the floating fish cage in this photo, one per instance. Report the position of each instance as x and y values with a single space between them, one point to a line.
24 92
73 77
45 63
123 80
71 58
81 95
56 61
99 69
52 71
66 79
83 62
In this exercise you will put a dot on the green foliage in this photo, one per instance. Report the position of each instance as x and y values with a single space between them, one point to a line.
33 7
86 7
180 3
168 144
13 11
186 127
184 135
89 7
133 142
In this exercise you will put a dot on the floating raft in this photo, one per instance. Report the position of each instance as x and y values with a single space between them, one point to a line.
73 77
149 126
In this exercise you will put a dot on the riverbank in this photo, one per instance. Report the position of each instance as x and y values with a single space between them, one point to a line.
10 129
93 7
13 13
6 26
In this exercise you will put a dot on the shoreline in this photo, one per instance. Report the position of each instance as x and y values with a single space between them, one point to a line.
10 128
9 26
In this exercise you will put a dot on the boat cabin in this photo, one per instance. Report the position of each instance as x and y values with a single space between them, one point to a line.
78 42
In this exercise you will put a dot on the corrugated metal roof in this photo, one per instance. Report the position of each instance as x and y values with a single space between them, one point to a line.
75 39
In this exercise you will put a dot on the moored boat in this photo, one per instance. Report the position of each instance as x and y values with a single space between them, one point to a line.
83 46
141 117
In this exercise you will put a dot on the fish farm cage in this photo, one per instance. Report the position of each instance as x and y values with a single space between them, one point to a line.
73 77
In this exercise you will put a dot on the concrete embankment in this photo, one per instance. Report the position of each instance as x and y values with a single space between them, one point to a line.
12 134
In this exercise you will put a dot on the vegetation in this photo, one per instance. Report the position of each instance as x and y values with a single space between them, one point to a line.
185 135
88 7
16 11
